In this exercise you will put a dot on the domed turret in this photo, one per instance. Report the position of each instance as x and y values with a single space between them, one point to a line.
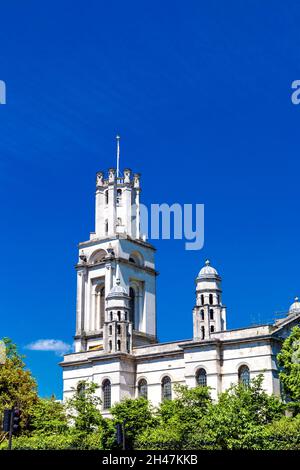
209 313
207 271
295 307
117 291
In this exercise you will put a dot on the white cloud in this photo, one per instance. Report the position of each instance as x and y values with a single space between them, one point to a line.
56 345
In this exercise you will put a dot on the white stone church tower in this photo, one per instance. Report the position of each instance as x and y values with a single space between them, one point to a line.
116 343
116 261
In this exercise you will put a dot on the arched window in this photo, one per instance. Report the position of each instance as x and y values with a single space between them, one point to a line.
99 305
143 388
119 196
119 221
118 345
202 332
81 389
211 300
98 257
111 316
119 315
166 388
106 197
132 306
102 307
110 330
137 258
202 314
244 375
212 328
128 342
211 313
202 299
106 227
201 377
106 394
110 346
118 329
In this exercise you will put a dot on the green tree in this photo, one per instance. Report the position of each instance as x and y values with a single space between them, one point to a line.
192 421
289 361
17 386
240 411
84 408
136 414
188 406
48 416
176 419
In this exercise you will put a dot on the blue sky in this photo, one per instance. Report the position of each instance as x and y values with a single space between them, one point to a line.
200 94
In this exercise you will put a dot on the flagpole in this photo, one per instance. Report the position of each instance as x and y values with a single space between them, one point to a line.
118 154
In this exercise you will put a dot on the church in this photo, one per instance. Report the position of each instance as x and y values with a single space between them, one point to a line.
116 343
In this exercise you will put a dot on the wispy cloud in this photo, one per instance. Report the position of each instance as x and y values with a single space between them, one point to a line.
59 347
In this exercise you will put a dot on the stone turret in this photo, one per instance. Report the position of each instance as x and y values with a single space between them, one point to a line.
209 315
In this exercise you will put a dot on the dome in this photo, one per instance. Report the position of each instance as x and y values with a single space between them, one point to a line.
207 270
117 290
295 307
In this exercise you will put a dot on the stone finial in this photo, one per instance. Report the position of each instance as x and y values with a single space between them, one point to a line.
111 175
99 178
136 180
127 174
207 262
82 257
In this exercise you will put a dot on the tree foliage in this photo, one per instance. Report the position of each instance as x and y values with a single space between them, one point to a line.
17 386
48 416
289 361
137 415
84 407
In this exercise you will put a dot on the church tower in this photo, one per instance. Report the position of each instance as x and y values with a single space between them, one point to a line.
209 315
116 242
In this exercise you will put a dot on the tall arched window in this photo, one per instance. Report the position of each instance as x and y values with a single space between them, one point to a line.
143 388
100 305
81 389
244 375
202 299
201 377
202 332
106 197
212 328
211 300
106 227
106 394
211 313
166 388
202 314
132 306
119 196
